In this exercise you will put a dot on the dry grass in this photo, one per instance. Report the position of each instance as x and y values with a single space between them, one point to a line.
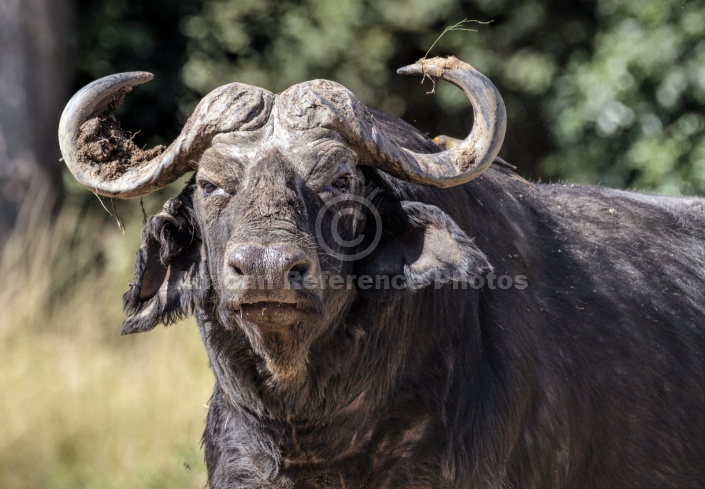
82 406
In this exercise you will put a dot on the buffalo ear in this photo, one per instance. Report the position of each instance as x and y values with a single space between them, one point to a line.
168 266
420 245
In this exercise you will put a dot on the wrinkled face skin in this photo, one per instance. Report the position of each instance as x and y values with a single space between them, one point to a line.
260 200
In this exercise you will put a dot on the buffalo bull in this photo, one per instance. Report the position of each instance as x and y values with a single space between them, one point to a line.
381 313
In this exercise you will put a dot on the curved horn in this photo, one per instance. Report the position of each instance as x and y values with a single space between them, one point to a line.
469 158
106 161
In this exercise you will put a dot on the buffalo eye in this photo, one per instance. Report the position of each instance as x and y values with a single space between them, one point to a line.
342 183
207 187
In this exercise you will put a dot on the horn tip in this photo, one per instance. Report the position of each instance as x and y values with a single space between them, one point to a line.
434 66
136 77
410 70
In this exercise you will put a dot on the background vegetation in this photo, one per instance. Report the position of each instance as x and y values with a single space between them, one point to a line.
597 91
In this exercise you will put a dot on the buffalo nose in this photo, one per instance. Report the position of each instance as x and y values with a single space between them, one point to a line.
276 265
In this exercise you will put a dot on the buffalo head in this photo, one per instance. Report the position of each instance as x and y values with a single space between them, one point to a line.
286 204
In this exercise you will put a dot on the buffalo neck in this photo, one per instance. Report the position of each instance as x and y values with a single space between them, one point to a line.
362 376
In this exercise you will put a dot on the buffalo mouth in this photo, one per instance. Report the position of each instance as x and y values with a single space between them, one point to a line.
273 316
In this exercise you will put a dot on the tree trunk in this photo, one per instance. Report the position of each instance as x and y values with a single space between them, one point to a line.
35 71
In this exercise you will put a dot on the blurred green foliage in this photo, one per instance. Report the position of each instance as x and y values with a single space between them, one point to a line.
601 91
631 112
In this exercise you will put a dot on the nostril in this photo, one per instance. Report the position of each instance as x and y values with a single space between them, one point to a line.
243 259
297 274
300 268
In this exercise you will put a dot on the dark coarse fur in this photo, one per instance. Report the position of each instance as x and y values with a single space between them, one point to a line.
590 376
